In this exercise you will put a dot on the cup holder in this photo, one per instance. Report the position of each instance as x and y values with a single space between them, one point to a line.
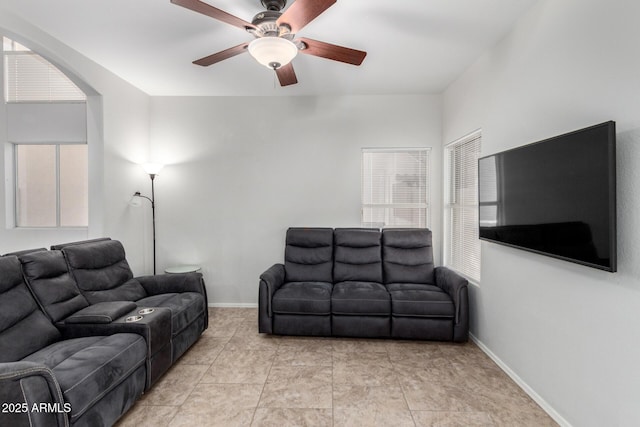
146 311
133 319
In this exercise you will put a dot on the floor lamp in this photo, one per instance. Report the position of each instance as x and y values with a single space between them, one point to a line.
152 169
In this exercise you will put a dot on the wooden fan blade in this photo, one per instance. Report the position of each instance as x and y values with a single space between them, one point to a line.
301 12
332 51
213 12
222 55
286 75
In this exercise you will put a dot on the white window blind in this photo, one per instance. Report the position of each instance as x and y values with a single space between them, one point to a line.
31 78
462 251
395 187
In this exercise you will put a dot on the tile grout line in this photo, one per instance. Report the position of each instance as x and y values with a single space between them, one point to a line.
333 404
264 385
174 415
404 397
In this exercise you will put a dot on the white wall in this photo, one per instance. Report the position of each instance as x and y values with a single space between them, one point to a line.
571 333
117 129
244 169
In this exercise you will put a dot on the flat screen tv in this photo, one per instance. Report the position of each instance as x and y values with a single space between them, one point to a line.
555 197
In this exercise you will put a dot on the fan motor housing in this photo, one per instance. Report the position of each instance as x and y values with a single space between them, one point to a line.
274 5
267 26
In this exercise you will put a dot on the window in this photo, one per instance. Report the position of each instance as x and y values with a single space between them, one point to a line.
28 77
47 182
488 204
462 246
395 187
51 185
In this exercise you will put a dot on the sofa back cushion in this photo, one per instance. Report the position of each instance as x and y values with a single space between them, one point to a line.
102 272
25 251
24 329
407 256
79 242
49 279
308 255
357 255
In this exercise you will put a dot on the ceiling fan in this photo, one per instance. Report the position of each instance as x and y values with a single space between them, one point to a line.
275 43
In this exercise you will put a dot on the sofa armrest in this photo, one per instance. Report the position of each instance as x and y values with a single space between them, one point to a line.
456 287
180 282
168 283
31 396
270 281
102 312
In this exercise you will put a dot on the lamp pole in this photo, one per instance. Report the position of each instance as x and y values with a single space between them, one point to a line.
152 169
153 215
153 219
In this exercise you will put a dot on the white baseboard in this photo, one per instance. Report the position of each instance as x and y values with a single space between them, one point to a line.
232 305
523 385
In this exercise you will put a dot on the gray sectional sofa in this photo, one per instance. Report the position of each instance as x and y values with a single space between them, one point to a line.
70 353
358 282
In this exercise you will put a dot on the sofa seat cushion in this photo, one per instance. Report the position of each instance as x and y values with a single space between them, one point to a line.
303 298
185 307
360 298
419 300
89 368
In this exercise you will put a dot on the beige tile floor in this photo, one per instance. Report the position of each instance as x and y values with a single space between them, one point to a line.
234 376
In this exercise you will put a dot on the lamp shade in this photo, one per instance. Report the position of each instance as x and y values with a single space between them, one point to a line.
135 201
273 52
152 168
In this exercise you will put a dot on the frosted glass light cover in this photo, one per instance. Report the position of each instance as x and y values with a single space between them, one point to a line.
273 52
152 168
135 201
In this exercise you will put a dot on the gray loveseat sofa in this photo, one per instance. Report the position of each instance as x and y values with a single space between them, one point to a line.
363 283
66 359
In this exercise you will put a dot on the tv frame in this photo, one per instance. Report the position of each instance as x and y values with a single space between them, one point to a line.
611 151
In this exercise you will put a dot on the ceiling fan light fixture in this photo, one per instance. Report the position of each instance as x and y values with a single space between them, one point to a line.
273 52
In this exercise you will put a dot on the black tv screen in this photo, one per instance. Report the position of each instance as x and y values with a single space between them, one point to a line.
555 197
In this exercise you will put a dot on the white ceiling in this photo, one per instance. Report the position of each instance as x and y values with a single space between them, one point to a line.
414 46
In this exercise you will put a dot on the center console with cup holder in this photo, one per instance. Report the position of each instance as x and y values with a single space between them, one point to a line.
152 323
